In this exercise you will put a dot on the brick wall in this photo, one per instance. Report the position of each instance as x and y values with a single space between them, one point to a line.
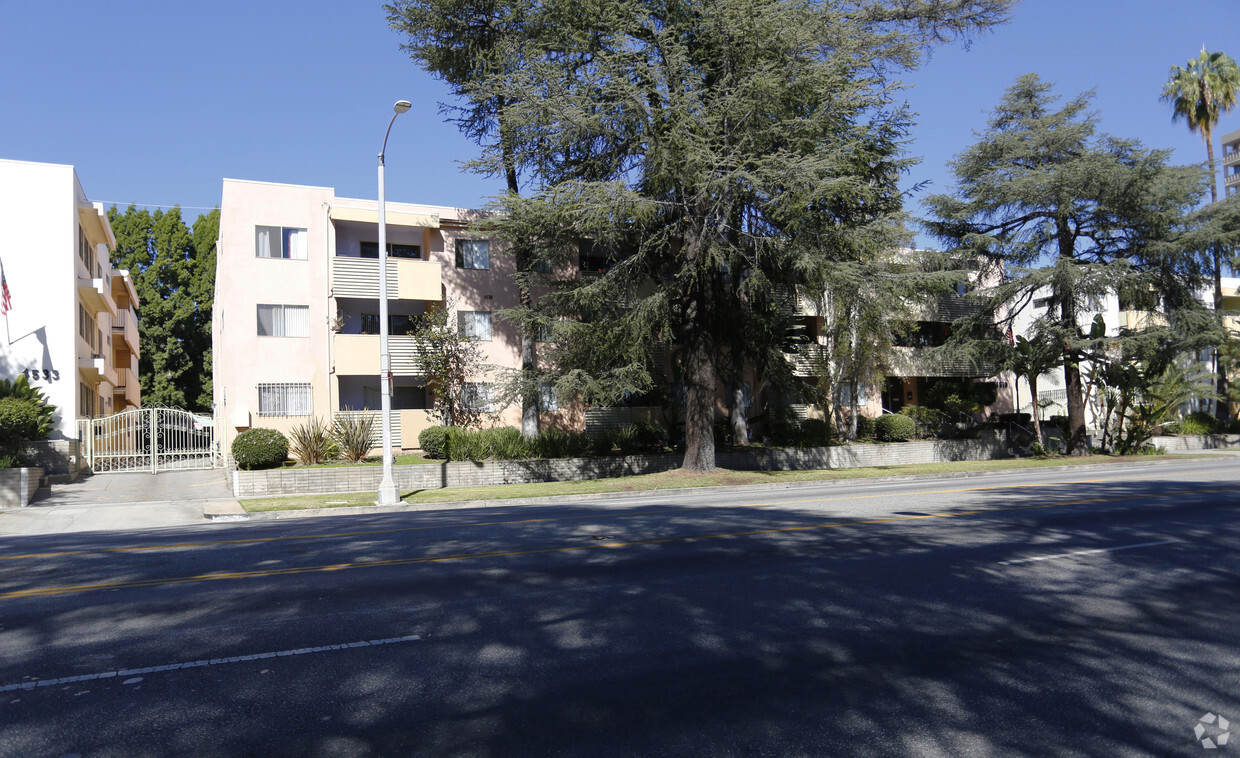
55 457
1198 442
18 485
487 473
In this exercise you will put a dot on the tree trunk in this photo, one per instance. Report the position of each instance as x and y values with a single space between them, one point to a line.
1037 422
699 379
740 426
529 360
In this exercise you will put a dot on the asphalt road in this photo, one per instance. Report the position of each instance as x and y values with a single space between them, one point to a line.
1079 613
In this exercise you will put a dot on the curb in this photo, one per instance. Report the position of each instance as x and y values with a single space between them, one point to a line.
553 499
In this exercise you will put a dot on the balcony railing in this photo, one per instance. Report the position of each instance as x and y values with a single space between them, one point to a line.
407 279
96 295
358 355
1231 158
125 325
912 361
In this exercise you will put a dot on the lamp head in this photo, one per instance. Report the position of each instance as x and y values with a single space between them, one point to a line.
402 106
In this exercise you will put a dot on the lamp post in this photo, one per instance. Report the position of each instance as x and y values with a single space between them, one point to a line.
388 493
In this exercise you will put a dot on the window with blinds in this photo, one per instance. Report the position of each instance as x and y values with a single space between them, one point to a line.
283 320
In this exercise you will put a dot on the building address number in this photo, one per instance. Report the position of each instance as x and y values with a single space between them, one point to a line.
47 375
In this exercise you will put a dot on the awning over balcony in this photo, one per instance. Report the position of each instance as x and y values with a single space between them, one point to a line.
393 218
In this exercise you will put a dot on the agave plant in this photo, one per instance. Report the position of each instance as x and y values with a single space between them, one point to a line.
354 434
312 443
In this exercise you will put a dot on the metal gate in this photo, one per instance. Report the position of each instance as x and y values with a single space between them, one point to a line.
149 439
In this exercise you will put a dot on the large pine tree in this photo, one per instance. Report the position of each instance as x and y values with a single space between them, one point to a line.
702 154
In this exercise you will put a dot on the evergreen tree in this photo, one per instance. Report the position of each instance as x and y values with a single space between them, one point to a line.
173 272
700 155
1060 208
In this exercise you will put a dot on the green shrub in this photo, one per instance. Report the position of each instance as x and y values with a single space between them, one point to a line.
432 440
19 420
1059 422
651 436
466 445
259 449
785 427
506 443
557 443
312 442
866 427
354 434
9 461
20 389
894 427
1194 423
1234 426
602 442
628 440
815 432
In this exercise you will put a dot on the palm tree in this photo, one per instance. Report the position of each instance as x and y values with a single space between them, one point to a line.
1199 92
1030 359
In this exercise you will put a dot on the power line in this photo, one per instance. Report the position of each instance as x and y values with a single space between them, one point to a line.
155 205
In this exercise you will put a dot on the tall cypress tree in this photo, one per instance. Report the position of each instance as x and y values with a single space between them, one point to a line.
173 272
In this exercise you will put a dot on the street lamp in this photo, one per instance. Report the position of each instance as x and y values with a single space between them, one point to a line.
388 493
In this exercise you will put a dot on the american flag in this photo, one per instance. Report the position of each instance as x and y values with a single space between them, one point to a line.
6 303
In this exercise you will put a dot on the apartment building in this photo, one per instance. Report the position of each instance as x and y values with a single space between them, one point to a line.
1119 314
71 320
1231 163
296 325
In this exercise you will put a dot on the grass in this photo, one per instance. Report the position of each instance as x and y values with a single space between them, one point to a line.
670 480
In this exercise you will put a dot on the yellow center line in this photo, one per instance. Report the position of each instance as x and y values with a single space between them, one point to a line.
216 576
376 532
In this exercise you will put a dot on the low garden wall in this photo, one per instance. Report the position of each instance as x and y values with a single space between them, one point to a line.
57 458
1198 442
18 485
486 473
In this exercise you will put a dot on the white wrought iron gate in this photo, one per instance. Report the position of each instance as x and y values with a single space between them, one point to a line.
149 439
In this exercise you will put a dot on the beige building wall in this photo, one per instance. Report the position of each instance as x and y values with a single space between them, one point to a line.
337 358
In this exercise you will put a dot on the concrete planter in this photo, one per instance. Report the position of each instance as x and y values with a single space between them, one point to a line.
486 473
18 485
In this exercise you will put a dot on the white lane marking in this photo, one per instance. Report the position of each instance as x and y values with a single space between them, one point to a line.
1084 552
194 664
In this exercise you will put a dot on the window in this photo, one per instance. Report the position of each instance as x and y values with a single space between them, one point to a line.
474 254
284 321
548 398
280 242
477 397
284 399
403 398
398 323
371 250
475 325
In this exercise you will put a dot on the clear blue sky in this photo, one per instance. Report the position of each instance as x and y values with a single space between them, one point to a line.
155 103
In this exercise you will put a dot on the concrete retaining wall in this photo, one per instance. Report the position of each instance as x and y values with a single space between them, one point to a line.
486 473
58 458
18 485
1198 442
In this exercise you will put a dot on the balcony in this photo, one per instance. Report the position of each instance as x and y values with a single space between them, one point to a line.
1231 180
126 393
1231 158
358 355
916 361
407 279
93 368
125 327
805 361
796 300
96 295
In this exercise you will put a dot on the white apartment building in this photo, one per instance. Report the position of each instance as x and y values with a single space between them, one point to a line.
1052 394
71 323
1231 163
295 323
